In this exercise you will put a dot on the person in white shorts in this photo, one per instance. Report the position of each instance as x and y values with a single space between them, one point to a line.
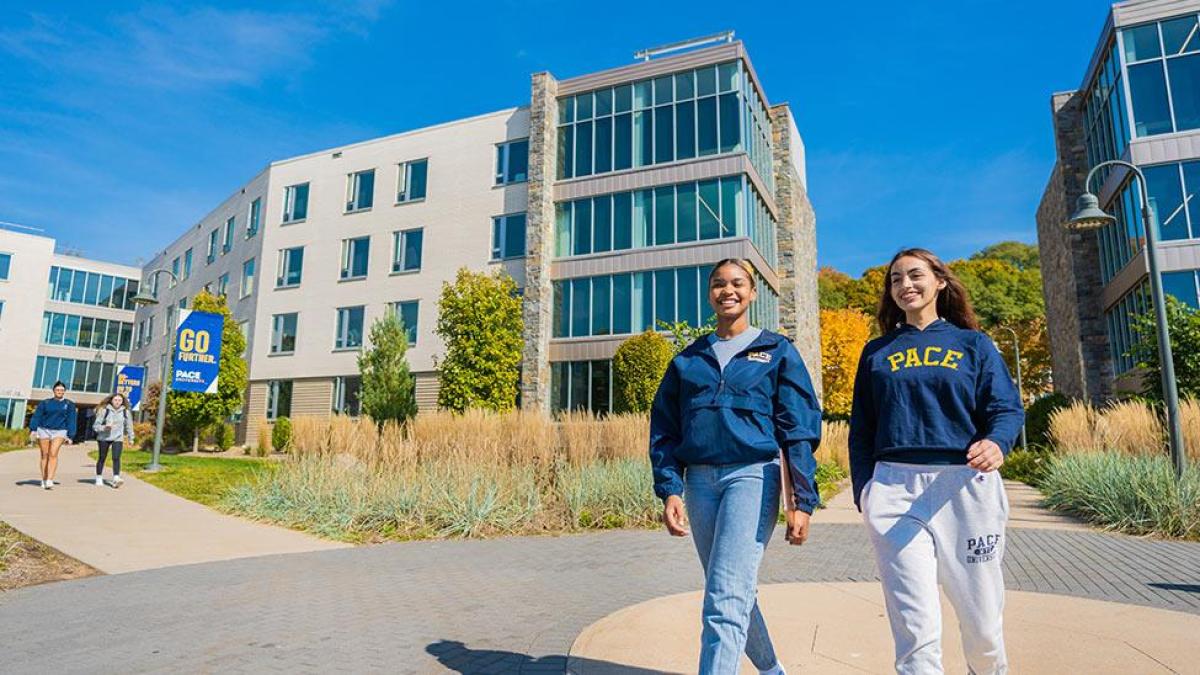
53 425
934 413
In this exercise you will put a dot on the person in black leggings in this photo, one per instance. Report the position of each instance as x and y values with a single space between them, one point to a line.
113 425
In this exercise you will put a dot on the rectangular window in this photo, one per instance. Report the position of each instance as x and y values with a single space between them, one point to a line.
227 242
187 267
512 162
295 203
407 313
279 399
91 295
346 390
355 256
582 231
349 330
602 224
5 265
174 272
254 217
360 190
406 254
508 236
291 267
247 278
283 333
223 284
212 246
412 181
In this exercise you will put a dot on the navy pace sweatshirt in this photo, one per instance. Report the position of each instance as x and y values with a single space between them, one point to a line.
924 396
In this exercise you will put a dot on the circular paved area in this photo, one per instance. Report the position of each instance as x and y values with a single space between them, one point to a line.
508 605
827 628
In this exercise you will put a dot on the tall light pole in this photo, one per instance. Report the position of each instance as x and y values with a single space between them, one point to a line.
1089 216
147 300
1020 395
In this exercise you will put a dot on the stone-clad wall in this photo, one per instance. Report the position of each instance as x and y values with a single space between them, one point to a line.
796 234
1071 275
539 233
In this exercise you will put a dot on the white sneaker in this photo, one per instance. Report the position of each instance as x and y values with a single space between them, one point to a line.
47 485
99 481
117 481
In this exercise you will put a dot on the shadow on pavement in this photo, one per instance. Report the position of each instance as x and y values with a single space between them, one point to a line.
462 659
1185 588
30 483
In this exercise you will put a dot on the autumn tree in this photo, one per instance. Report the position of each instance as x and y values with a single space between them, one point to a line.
844 332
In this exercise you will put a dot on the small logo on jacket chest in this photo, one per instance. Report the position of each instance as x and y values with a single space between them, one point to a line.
760 357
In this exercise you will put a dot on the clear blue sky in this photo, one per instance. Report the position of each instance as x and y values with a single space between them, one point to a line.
926 123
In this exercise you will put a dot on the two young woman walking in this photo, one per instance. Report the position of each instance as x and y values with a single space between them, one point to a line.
54 424
934 412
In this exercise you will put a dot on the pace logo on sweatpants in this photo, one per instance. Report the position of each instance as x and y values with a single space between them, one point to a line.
982 548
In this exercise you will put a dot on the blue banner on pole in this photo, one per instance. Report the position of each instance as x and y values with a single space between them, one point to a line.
129 385
197 351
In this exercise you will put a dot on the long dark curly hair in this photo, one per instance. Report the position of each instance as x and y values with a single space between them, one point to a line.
953 303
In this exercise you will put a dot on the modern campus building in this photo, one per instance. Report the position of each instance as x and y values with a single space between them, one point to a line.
1139 101
62 317
606 199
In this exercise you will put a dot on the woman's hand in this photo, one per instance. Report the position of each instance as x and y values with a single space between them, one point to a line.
985 456
797 527
674 517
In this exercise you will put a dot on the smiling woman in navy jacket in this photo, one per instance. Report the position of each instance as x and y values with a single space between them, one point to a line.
52 425
934 413
727 405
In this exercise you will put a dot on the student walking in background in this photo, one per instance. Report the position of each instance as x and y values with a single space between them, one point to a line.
934 413
726 409
113 425
52 425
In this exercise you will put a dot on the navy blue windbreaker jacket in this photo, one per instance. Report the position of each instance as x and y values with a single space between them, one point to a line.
762 402
924 396
54 414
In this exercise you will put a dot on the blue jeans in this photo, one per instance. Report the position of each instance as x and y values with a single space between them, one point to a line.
732 510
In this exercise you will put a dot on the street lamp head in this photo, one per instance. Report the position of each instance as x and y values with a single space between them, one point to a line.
1088 214
144 299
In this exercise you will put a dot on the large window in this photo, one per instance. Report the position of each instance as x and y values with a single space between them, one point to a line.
711 209
346 391
621 304
581 385
411 183
349 330
356 253
291 267
227 241
77 374
213 238
254 217
5 265
187 263
360 190
69 330
12 413
407 313
247 286
279 399
508 236
406 250
695 113
223 285
283 333
1163 63
90 288
295 203
1173 188
1121 334
512 162
1106 123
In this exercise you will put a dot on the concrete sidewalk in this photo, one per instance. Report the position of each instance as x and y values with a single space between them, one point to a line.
137 527
843 628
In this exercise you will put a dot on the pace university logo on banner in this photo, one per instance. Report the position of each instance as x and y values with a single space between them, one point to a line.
197 351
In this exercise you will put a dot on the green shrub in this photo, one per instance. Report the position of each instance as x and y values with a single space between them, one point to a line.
609 494
281 435
829 477
224 436
13 438
143 433
1026 466
638 367
1135 495
1037 417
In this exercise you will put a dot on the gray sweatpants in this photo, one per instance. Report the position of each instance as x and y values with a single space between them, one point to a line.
940 524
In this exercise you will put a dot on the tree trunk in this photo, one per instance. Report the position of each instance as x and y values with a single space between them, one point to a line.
196 441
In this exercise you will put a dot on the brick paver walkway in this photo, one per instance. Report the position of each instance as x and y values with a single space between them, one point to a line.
509 605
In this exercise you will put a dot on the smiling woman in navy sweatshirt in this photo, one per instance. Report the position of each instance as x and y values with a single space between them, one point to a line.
52 424
726 408
934 413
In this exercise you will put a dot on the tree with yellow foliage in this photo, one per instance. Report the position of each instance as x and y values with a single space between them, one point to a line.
844 332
